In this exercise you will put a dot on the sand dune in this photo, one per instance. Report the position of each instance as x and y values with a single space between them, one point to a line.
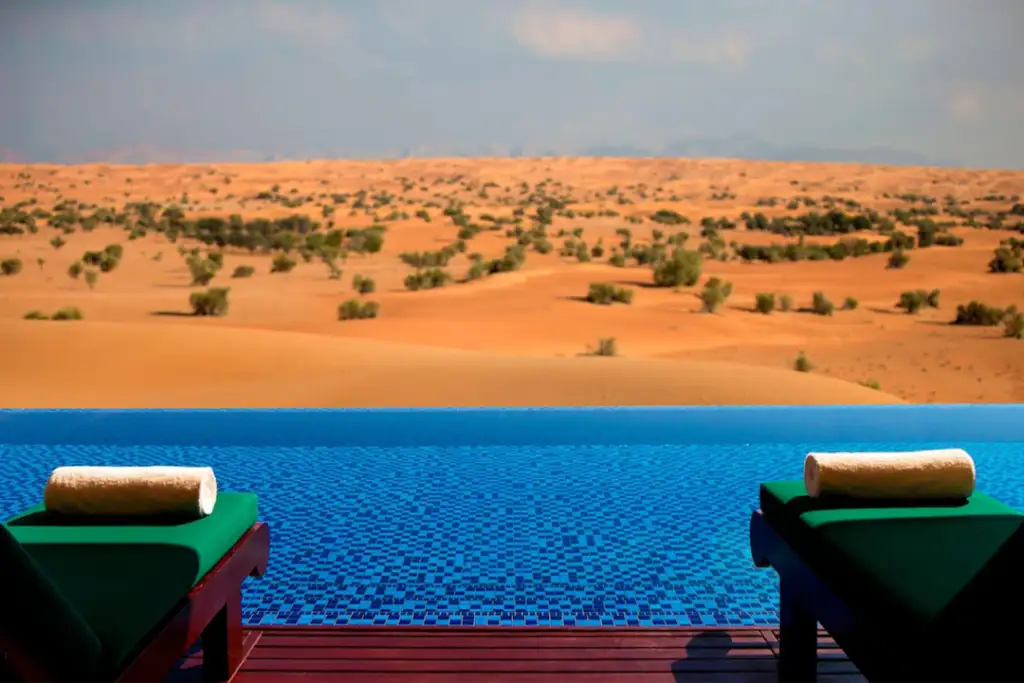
178 366
512 338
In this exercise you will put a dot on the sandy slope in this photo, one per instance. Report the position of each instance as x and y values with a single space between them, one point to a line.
177 366
510 339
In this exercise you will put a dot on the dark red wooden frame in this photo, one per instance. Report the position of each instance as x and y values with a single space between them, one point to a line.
882 651
211 610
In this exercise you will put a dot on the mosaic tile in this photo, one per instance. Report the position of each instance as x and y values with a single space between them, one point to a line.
525 535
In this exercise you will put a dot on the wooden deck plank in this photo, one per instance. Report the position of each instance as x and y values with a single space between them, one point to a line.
383 654
498 640
428 653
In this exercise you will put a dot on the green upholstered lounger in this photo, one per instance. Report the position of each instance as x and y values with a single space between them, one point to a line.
98 599
910 592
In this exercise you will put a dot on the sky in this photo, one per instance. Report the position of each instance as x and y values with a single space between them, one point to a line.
375 78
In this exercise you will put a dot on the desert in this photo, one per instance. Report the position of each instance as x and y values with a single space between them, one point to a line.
554 281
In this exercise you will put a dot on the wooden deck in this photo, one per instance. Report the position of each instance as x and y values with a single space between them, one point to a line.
516 655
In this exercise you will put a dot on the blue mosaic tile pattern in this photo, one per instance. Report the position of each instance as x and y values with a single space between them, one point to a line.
503 535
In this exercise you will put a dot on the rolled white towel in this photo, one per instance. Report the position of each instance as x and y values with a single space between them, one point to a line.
925 475
131 491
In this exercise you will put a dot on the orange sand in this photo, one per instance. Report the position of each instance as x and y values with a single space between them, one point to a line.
511 339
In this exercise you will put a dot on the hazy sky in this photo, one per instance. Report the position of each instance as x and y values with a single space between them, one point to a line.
373 77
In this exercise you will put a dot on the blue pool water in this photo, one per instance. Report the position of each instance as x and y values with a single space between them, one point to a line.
509 534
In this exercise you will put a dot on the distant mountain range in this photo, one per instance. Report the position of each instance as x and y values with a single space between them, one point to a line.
734 147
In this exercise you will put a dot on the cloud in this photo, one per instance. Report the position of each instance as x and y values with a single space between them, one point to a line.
307 23
964 106
575 34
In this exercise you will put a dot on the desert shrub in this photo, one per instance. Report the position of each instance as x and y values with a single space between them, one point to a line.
357 309
802 363
785 303
212 302
431 278
870 384
57 242
92 258
764 303
618 260
10 266
108 262
114 250
40 262
67 313
668 217
36 315
364 285
1006 260
820 304
898 259
850 304
477 270
1013 324
282 263
977 313
913 301
202 270
606 347
714 294
932 299
91 277
217 257
681 269
606 294
243 271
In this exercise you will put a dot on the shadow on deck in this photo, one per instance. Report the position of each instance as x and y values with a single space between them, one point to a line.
517 655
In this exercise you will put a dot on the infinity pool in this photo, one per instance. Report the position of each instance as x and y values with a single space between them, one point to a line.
455 530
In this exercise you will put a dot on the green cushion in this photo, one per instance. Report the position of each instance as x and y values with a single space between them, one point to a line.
912 558
47 624
125 577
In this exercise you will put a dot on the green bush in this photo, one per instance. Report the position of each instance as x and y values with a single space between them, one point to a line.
714 294
114 250
682 269
850 304
607 294
282 263
357 309
57 242
912 302
785 303
36 315
430 278
67 313
898 259
75 269
870 384
202 270
364 285
10 266
91 277
243 271
802 363
618 260
212 302
977 313
606 347
820 305
764 303
1013 324
1006 260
